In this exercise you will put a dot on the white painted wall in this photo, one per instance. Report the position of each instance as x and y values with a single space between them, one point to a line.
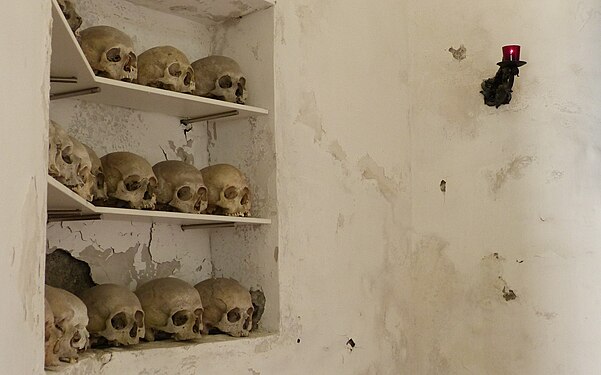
24 107
372 112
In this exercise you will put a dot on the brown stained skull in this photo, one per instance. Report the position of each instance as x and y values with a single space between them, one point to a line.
51 338
227 306
229 193
99 188
173 309
220 77
180 186
166 67
129 178
68 9
110 53
115 313
71 319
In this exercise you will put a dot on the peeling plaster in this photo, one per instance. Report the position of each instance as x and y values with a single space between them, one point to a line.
337 151
370 170
182 154
458 54
309 116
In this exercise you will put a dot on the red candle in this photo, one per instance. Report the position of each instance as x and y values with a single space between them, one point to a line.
511 53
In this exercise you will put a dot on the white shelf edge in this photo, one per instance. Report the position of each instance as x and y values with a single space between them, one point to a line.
61 197
69 61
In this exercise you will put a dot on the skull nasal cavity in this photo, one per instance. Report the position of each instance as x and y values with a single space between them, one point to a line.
175 70
225 82
133 332
184 193
119 321
180 318
113 54
233 315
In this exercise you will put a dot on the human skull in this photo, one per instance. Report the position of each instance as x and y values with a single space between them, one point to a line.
129 178
173 309
62 161
110 53
220 77
167 68
99 188
71 319
229 193
180 185
115 314
70 14
81 158
51 337
228 306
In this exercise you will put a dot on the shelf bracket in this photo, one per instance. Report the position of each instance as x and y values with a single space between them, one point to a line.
70 215
63 79
188 121
207 226
70 94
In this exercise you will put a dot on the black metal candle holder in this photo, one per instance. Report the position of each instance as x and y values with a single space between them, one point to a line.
497 90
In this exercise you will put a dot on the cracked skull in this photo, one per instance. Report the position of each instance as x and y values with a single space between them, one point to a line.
71 319
180 186
227 306
68 9
51 337
129 178
115 314
167 68
220 77
110 53
229 193
173 309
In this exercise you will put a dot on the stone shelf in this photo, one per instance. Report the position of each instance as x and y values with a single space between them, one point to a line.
65 205
72 76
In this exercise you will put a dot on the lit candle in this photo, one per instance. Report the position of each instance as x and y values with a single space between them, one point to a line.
511 53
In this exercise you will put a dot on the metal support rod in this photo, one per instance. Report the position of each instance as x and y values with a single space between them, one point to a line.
63 79
56 218
216 116
70 94
208 226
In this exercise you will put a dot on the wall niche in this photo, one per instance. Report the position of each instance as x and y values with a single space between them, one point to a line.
130 250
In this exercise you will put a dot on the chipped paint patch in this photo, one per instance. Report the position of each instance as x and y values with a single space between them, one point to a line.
459 53
181 153
370 170
513 170
309 115
337 151
546 315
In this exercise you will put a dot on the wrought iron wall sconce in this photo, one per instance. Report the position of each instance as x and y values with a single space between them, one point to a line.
497 90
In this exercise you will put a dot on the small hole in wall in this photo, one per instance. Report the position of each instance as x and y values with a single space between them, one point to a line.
443 186
298 341
350 344
67 272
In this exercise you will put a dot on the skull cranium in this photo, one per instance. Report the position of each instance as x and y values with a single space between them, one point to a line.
229 193
51 337
173 309
71 319
220 77
180 186
166 67
70 14
110 53
129 178
81 158
228 306
60 156
99 188
115 314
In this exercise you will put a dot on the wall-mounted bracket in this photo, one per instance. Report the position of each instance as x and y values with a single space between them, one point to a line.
70 215
70 94
216 116
497 90
208 226
63 79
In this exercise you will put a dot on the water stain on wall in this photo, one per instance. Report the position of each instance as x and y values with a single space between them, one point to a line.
309 115
512 170
370 170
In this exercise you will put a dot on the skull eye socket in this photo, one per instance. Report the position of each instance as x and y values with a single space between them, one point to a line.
100 181
234 315
184 193
202 193
180 318
119 321
139 318
114 54
225 82
242 82
231 192
132 183
131 62
75 339
175 70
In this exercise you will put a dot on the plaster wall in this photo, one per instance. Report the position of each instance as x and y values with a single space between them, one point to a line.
24 109
520 215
